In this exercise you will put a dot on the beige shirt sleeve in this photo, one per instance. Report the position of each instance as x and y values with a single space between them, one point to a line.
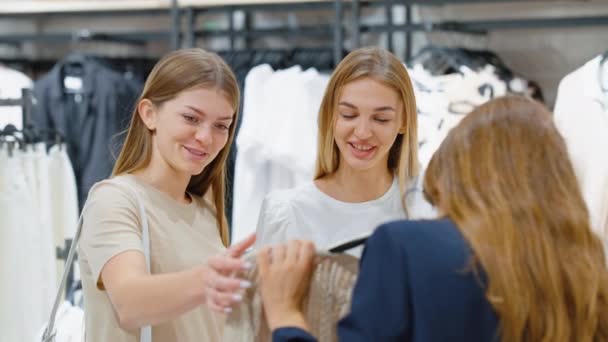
111 225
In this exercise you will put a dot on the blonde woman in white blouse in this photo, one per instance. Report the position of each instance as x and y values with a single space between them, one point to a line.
367 161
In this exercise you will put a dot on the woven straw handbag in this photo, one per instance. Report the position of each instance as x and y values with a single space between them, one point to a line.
327 301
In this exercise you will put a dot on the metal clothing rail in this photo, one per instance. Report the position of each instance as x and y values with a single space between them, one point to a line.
333 30
464 26
131 38
336 29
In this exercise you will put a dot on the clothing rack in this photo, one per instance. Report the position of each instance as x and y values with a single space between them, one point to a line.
26 101
333 31
337 30
85 10
475 27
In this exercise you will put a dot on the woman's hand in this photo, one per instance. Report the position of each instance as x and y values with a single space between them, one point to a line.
221 288
284 276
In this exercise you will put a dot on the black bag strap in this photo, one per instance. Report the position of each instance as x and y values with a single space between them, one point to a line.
343 247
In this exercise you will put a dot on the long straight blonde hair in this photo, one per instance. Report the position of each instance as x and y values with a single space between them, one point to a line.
180 71
504 177
382 66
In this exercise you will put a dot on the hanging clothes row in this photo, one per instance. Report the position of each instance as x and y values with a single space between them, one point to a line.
450 82
581 116
38 212
281 104
242 62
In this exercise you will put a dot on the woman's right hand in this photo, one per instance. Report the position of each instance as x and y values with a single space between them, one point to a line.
221 287
284 278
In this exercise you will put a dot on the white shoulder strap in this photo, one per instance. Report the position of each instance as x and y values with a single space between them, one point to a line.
146 332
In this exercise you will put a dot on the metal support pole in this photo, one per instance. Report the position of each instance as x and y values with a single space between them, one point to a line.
27 98
338 39
248 25
356 23
176 25
389 22
408 34
190 19
231 27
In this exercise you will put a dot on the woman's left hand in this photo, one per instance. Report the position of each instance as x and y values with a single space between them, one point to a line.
284 277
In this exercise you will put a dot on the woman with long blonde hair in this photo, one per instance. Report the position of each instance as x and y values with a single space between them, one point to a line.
172 162
514 258
367 159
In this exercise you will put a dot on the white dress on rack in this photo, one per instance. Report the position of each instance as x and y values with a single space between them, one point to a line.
26 291
37 199
581 116
277 140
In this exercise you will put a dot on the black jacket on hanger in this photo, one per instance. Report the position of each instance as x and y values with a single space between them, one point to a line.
90 118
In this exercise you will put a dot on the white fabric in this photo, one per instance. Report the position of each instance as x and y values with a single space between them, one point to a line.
444 100
10 88
69 324
581 116
28 258
45 234
305 212
64 201
277 140
247 166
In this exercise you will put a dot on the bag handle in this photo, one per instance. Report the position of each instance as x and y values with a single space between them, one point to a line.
146 332
343 247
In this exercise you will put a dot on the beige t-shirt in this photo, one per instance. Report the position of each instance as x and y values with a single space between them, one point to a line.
181 236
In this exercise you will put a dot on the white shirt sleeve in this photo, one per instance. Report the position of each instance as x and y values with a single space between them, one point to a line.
274 222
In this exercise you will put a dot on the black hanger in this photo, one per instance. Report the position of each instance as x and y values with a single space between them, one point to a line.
439 60
11 131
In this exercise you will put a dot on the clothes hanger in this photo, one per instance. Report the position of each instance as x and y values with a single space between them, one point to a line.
11 132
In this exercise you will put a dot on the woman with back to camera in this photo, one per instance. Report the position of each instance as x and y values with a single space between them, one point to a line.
173 161
366 158
513 259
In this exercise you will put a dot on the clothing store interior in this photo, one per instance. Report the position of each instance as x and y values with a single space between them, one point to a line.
423 161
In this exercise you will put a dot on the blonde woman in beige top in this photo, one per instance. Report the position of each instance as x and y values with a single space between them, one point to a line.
173 161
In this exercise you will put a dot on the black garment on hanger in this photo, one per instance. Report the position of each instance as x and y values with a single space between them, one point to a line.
90 117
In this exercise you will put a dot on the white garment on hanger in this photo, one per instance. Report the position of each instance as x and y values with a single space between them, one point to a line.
581 116
26 289
295 147
247 165
69 324
47 286
277 140
444 100
64 203
11 83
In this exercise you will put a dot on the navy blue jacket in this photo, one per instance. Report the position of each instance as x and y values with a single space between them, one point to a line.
414 284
